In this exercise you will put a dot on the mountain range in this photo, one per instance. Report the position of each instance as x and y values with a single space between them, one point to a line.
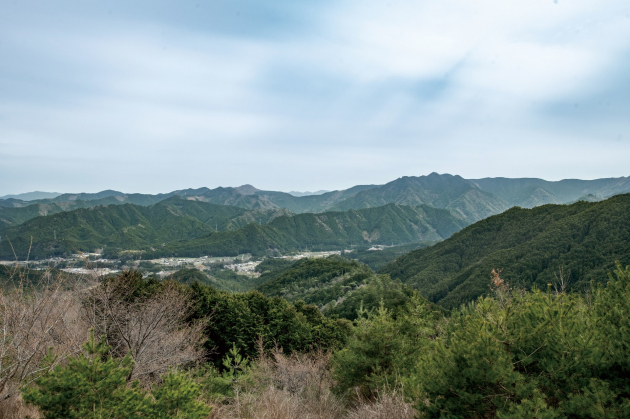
181 227
470 199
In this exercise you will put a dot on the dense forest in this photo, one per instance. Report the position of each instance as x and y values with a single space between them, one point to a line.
177 227
573 244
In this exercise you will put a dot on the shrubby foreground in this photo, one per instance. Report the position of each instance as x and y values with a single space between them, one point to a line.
516 353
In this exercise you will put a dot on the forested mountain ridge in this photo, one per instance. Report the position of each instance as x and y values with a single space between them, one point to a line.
440 191
246 196
389 224
181 227
531 192
472 199
123 227
533 247
11 216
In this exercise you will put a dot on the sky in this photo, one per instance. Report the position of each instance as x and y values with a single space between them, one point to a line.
153 96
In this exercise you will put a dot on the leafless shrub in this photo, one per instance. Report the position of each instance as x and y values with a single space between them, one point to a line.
37 321
151 329
562 280
500 288
386 406
295 386
298 373
298 386
15 408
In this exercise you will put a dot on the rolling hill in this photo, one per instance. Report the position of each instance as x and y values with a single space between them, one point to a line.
388 225
182 227
532 247
336 285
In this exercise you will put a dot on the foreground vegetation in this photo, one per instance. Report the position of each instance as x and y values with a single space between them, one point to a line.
515 353
545 337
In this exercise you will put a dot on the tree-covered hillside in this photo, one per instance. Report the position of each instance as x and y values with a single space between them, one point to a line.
531 192
11 216
116 226
119 227
460 196
317 281
336 285
532 247
390 224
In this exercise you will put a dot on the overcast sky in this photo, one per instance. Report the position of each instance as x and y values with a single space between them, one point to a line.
152 96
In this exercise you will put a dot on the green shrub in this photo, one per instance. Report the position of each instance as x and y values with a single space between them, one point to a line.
383 347
536 354
93 385
243 319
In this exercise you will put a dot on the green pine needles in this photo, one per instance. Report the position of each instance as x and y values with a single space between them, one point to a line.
94 385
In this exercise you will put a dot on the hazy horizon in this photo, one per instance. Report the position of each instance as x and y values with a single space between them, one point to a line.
152 97
317 192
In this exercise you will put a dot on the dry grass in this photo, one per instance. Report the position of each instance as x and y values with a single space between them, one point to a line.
32 320
386 406
299 386
14 408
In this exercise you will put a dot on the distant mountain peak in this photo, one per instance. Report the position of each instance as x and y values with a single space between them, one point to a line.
32 196
307 193
247 189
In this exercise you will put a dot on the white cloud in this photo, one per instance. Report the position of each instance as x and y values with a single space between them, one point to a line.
372 91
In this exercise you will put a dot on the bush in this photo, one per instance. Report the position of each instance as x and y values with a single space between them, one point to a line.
94 385
537 354
245 318
382 348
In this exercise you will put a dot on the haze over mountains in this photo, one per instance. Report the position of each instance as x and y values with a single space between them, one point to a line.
473 222
32 196
471 199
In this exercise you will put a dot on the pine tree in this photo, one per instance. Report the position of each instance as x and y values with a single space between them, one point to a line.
94 385
89 387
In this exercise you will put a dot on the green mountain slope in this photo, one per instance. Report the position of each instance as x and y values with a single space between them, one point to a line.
336 285
183 227
221 217
440 191
532 247
11 216
531 192
115 227
390 224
